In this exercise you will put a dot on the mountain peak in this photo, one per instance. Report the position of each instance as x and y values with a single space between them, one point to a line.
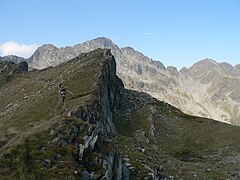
208 61
203 66
47 47
131 51
103 41
128 48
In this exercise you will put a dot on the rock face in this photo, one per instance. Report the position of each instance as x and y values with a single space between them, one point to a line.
47 54
207 89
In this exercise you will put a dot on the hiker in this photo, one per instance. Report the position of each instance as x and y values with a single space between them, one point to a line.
62 92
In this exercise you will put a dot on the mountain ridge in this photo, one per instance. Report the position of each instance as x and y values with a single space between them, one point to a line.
207 88
100 130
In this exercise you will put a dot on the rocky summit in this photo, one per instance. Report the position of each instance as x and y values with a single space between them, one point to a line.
207 88
77 121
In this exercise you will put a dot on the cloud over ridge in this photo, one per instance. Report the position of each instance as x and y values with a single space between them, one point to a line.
14 48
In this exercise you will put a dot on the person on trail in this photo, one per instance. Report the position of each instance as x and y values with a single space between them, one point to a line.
63 94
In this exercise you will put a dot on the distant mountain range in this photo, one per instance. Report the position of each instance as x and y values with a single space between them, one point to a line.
207 89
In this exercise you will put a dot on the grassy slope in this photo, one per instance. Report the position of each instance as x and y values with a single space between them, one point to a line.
32 115
183 146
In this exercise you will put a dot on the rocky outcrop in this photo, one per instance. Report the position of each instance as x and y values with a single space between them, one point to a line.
111 91
109 94
99 117
101 124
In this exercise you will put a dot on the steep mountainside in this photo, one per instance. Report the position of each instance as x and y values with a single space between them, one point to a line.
160 141
46 136
206 89
99 130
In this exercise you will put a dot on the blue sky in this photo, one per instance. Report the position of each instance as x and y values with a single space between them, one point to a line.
176 32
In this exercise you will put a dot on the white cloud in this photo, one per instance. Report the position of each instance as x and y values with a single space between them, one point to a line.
14 48
146 33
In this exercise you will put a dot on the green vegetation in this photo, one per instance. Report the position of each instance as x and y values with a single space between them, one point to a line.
183 146
35 124
42 157
134 121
